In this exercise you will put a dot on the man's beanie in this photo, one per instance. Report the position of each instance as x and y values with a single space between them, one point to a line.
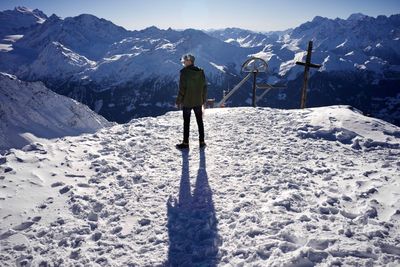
188 57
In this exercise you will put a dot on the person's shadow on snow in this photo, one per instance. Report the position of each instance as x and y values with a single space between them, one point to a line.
192 224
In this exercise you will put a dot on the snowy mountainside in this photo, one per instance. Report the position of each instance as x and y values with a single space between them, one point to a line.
56 62
31 112
312 187
339 44
18 20
244 38
343 44
86 34
153 52
124 74
15 23
360 60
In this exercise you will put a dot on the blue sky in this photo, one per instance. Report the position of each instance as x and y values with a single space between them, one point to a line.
259 15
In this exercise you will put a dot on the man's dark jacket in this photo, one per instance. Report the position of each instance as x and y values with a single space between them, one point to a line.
192 87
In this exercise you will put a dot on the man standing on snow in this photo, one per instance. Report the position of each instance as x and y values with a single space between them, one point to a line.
192 95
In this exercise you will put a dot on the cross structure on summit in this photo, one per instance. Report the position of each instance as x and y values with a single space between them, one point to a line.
307 65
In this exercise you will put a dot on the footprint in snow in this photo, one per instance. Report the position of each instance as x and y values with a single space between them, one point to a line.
65 189
56 184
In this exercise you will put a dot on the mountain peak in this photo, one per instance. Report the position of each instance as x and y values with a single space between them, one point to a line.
87 19
357 16
53 17
27 10
235 29
151 29
319 19
23 9
85 16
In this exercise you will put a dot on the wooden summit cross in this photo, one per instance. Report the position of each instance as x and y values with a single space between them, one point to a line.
307 65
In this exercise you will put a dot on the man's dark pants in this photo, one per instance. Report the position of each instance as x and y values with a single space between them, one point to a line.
186 122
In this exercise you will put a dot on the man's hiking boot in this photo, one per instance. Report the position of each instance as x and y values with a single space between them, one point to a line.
202 144
182 145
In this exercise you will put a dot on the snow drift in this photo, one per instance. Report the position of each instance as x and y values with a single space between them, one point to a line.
29 111
313 187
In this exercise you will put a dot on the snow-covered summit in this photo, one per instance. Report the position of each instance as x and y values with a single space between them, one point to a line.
86 34
312 187
30 112
357 16
38 14
18 20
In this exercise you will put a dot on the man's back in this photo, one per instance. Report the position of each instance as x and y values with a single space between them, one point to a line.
193 86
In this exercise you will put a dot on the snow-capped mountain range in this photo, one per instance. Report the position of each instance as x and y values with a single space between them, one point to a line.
31 112
123 74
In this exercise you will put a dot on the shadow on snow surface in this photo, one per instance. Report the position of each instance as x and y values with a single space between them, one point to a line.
192 224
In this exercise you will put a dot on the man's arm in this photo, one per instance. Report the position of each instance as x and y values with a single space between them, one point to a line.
204 88
182 90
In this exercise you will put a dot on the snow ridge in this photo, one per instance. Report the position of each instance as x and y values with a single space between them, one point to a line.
29 111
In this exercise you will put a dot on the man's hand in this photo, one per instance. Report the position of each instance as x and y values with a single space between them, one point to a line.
178 105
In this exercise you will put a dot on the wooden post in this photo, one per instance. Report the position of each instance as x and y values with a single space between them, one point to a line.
254 88
307 65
